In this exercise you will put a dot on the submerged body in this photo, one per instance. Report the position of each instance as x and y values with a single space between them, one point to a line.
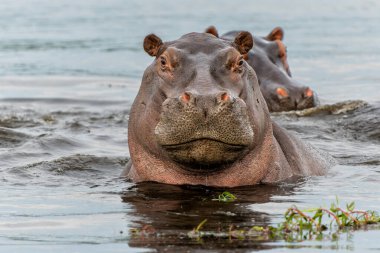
200 118
269 60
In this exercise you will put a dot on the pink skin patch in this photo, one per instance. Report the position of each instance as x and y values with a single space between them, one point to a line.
224 97
185 97
308 92
282 92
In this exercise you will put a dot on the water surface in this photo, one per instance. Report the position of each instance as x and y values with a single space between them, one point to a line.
69 73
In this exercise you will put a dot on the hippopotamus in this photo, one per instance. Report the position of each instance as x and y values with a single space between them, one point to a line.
269 60
199 118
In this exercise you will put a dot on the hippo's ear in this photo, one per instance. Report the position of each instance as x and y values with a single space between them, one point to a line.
152 44
276 34
243 42
212 30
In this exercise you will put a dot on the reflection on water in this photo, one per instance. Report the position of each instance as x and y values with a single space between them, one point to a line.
164 215
63 139
175 210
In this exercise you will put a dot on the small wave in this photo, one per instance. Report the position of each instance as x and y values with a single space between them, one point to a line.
63 101
40 45
56 142
121 48
338 108
75 168
10 138
364 124
14 121
79 162
352 120
365 154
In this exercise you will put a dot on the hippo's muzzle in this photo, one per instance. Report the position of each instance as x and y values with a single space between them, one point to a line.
204 131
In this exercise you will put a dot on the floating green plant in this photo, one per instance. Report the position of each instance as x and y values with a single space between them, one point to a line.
300 225
225 197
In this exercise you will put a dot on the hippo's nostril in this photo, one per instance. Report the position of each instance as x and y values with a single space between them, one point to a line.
308 93
282 93
186 97
223 97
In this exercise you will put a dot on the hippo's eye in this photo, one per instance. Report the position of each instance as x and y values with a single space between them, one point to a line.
240 63
163 61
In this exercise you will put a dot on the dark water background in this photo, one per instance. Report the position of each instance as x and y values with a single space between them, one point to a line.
68 74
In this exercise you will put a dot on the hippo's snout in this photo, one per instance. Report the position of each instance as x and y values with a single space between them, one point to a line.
307 99
204 129
208 104
219 98
298 98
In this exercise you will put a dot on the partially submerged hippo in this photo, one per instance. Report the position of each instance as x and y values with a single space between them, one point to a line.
200 118
269 60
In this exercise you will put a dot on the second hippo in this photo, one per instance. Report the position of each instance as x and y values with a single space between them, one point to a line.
269 60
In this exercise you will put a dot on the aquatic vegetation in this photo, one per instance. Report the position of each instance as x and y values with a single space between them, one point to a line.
225 197
298 225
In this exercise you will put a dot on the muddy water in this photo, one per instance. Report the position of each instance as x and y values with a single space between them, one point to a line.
69 75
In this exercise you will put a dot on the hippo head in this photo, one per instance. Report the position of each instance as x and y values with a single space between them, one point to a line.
269 60
281 91
199 109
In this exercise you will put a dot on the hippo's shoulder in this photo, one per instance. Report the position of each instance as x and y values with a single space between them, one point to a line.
303 158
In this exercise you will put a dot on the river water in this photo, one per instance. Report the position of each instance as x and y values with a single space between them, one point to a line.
68 74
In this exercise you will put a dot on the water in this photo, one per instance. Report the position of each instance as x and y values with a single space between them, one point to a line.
69 73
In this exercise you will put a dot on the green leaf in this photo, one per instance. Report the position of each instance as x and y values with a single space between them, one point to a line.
225 197
200 225
257 228
351 206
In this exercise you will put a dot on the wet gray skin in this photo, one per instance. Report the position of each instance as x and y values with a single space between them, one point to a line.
269 60
200 118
